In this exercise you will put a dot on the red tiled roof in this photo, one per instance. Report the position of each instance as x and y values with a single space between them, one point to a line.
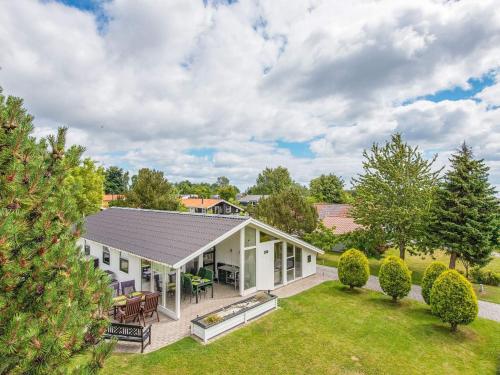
112 197
200 202
342 224
332 209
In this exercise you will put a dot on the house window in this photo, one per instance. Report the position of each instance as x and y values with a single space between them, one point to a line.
105 255
228 209
308 259
86 249
250 237
123 263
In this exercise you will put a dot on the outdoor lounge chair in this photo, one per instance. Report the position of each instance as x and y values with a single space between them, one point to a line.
128 287
150 307
131 310
115 287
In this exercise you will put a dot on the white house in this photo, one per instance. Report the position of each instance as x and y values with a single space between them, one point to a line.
154 247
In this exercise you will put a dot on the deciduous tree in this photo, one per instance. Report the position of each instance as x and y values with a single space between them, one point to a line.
327 188
116 180
395 193
151 190
272 181
288 211
86 183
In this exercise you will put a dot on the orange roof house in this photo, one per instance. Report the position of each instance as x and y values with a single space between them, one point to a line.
336 216
106 198
210 206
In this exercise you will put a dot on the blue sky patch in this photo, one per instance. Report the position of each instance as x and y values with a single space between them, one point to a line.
476 85
297 149
202 152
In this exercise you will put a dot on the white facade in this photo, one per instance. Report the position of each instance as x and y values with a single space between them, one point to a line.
265 259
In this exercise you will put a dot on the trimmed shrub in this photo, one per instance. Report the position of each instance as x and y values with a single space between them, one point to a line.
395 277
453 299
430 275
482 276
353 268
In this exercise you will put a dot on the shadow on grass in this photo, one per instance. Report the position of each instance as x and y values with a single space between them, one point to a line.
463 333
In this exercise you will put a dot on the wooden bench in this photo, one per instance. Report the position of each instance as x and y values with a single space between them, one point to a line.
129 332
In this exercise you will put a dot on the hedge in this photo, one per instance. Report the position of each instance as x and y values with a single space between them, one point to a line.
395 277
353 268
430 275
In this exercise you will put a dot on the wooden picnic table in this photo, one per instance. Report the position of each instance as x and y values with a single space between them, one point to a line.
121 301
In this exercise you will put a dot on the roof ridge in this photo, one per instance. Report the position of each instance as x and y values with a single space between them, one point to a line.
234 217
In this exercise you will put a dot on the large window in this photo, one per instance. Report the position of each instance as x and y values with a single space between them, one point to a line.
123 263
298 262
145 274
106 257
250 268
87 248
278 263
290 263
250 236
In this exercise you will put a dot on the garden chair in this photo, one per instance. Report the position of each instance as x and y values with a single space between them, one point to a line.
188 289
150 307
210 276
131 310
128 287
115 287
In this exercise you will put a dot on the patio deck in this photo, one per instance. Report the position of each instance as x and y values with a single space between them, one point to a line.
168 331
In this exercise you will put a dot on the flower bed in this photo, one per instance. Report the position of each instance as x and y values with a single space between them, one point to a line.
219 321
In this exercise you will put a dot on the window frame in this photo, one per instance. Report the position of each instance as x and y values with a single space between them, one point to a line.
123 259
105 250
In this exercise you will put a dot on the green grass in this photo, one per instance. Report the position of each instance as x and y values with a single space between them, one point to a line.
418 264
331 330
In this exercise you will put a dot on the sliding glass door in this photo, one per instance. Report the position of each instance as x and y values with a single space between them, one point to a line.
250 268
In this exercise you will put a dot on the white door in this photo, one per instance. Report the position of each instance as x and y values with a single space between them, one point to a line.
265 266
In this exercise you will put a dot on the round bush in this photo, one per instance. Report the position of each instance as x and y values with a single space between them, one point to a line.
430 275
353 268
395 277
453 300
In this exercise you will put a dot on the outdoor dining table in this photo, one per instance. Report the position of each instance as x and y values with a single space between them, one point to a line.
198 283
121 301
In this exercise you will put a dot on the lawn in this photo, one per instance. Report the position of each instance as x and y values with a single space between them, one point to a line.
418 264
331 330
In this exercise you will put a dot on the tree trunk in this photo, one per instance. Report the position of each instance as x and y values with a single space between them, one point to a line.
453 260
351 286
402 251
394 298
454 327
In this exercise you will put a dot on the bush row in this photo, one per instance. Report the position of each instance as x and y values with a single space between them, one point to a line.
449 294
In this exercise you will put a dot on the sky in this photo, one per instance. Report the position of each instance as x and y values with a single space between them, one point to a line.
205 88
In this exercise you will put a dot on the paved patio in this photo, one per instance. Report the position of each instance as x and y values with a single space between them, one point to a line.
168 331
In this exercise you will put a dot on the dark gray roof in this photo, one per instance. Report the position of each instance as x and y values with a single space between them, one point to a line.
163 236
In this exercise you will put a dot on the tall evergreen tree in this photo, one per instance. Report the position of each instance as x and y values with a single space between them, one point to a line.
53 302
395 193
466 211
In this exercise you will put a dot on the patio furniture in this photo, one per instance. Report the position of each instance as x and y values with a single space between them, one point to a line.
229 274
197 285
188 288
128 287
131 310
201 272
150 307
130 333
208 282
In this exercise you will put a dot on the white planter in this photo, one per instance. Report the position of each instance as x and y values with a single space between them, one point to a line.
206 332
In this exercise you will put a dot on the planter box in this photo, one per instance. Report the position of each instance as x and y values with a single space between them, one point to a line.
228 317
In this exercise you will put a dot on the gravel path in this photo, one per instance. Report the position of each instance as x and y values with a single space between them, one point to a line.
487 310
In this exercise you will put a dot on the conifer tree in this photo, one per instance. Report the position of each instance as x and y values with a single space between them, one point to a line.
53 303
466 211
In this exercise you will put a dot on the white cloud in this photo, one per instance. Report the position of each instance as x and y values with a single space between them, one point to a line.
162 78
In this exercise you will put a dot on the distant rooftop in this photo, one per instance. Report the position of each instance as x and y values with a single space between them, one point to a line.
332 210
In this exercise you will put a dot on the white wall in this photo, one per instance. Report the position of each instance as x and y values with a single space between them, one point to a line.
308 269
134 263
228 251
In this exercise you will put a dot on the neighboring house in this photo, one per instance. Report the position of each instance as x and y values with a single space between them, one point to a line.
336 217
154 247
106 198
210 206
250 199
